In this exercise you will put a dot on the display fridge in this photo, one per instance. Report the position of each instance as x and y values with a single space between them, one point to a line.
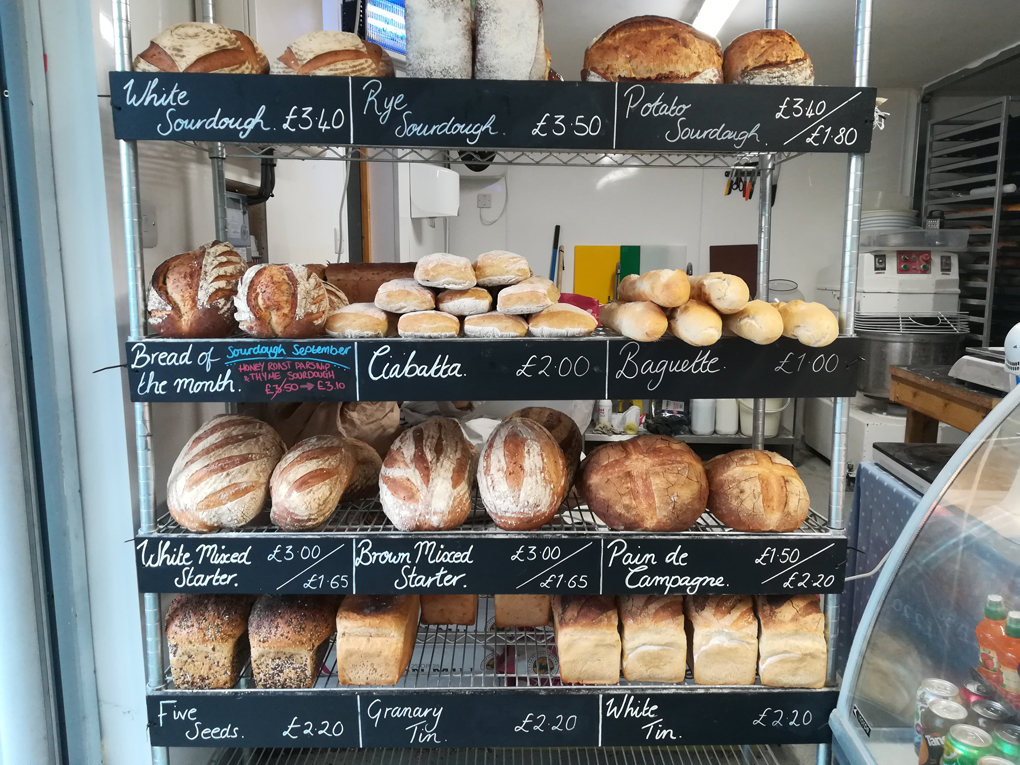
932 674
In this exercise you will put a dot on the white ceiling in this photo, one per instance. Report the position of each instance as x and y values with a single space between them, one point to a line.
914 42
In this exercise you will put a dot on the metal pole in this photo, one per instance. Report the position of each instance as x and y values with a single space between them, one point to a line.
136 324
217 158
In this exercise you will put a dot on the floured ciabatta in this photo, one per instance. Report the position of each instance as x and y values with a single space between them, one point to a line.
767 57
198 47
439 38
510 40
653 49
334 53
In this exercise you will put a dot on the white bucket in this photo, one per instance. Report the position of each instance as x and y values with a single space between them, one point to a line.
773 412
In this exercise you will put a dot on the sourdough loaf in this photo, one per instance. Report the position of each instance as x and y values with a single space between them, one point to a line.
365 477
289 636
207 639
510 40
653 49
751 490
197 47
308 482
328 52
767 57
439 38
281 301
562 428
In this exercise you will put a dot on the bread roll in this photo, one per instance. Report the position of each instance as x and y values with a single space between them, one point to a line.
587 639
562 428
404 296
192 295
757 321
810 323
360 281
439 38
526 297
426 479
724 292
654 641
523 611
470 302
449 609
281 301
665 287
562 320
357 321
500 268
308 482
207 639
767 57
695 323
428 324
445 272
365 477
723 635
648 483
642 321
653 49
327 52
522 475
791 644
751 490
495 325
221 477
509 40
375 638
289 636
197 47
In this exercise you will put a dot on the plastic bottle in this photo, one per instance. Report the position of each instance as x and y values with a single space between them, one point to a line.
990 633
1009 657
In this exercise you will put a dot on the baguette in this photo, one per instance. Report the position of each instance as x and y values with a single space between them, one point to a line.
665 287
696 323
643 321
812 324
724 292
758 321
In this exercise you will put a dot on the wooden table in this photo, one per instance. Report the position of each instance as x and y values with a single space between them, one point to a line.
932 396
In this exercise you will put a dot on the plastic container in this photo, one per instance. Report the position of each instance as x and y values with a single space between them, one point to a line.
703 416
727 421
943 238
990 633
773 412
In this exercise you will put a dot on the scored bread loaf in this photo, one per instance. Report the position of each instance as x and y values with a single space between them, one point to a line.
445 271
767 57
439 38
365 477
810 323
758 321
375 638
522 475
359 320
665 287
587 638
404 296
500 268
510 40
653 49
469 302
289 636
192 294
726 293
426 479
308 482
197 47
281 301
328 52
562 428
428 324
654 640
642 321
752 490
495 325
207 639
791 643
695 323
562 320
723 637
221 477
449 609
526 297
647 483
523 610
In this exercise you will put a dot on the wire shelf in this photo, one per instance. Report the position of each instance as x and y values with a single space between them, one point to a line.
673 755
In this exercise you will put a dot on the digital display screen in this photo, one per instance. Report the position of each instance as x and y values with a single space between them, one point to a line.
384 24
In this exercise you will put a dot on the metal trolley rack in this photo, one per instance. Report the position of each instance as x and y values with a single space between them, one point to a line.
531 710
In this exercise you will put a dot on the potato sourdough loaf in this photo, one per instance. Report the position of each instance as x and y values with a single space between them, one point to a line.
767 57
653 49
207 639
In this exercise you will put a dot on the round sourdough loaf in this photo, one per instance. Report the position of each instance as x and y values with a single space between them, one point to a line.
365 477
308 482
649 483
197 47
653 49
221 477
561 427
281 301
751 490
522 475
328 52
426 479
767 57
192 295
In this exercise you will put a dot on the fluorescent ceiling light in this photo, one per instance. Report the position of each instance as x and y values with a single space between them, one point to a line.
713 15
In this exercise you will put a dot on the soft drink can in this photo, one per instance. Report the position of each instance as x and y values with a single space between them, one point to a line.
931 689
987 714
936 720
974 691
965 745
994 759
1006 739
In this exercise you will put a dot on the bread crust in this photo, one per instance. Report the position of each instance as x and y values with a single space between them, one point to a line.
752 490
695 323
726 293
281 301
791 647
654 640
469 302
359 320
445 271
204 48
642 321
365 477
375 638
524 297
812 324
332 53
429 324
523 610
562 320
722 635
653 49
308 482
563 429
758 321
666 287
587 638
449 609
752 54
404 296
500 268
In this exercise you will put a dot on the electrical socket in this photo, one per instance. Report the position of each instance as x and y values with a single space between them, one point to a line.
485 201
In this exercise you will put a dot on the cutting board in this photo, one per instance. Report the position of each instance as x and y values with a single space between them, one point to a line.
595 265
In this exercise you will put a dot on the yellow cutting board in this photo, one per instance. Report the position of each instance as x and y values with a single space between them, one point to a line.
595 270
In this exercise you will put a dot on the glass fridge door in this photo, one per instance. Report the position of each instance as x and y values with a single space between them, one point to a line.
922 623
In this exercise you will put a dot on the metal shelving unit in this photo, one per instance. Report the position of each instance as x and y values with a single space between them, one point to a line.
575 523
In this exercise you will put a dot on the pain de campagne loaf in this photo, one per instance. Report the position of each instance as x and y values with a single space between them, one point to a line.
197 47
666 287
207 639
587 638
643 321
723 637
289 636
791 645
308 482
654 640
281 301
752 490
328 52
375 638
